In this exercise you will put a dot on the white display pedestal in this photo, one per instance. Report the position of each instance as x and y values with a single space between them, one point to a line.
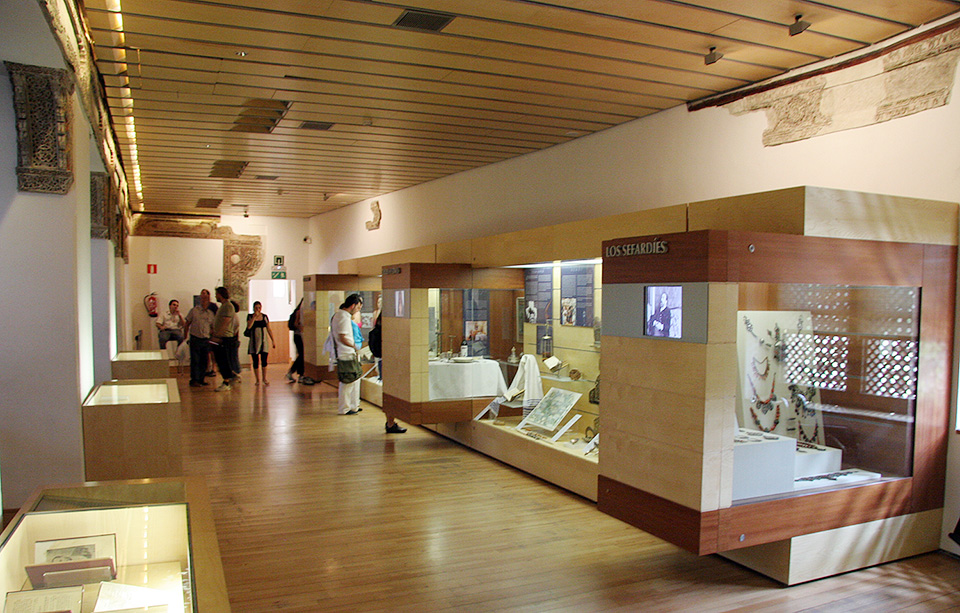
816 460
763 464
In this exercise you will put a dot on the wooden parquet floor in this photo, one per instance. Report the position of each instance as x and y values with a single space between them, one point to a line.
320 512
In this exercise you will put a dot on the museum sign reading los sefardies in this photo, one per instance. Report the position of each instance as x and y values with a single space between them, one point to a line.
653 247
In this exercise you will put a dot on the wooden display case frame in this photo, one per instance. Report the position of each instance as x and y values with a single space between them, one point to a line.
405 339
209 583
140 367
315 360
132 440
699 515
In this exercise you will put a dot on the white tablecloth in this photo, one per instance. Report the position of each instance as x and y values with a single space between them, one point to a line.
466 380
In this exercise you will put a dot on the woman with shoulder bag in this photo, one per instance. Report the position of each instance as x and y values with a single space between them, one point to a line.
345 353
258 331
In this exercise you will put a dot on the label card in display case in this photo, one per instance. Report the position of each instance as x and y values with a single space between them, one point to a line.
68 599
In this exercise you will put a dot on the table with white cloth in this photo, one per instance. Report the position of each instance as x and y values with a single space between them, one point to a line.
480 377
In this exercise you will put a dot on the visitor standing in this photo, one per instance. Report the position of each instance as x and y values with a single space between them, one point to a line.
198 323
258 330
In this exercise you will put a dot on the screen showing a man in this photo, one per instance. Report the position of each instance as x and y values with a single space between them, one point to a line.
663 308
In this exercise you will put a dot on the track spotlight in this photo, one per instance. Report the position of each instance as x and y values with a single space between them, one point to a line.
798 26
712 57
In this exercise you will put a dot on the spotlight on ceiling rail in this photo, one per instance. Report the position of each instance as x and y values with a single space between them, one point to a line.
712 57
798 26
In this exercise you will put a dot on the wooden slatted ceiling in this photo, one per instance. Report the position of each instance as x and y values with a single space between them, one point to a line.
504 78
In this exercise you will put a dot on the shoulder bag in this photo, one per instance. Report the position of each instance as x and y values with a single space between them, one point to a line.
348 371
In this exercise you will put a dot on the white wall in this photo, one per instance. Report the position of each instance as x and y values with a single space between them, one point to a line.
184 267
40 285
187 265
281 236
669 158
103 295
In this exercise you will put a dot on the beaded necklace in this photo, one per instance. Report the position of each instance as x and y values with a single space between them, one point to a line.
763 405
755 365
756 420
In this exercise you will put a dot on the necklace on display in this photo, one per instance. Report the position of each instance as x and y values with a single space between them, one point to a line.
801 399
748 326
764 405
756 420
756 364
803 433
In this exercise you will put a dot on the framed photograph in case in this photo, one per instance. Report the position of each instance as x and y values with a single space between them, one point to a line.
77 548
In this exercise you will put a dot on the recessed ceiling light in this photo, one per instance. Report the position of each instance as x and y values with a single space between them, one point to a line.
241 54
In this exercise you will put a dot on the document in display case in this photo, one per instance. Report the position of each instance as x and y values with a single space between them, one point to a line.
118 546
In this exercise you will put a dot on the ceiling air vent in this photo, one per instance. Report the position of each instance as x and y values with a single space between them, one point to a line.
423 21
316 125
260 116
227 169
209 203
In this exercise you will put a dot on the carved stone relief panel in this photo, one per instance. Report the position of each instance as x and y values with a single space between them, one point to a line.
242 253
914 78
41 99
99 205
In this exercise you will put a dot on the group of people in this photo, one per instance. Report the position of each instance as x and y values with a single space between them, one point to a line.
213 330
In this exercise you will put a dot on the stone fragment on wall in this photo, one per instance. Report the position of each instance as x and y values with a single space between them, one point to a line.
242 253
41 100
909 80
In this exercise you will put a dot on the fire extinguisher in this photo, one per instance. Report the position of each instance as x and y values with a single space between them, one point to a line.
150 303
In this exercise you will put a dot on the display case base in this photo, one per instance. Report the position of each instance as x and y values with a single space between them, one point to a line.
831 552
568 469
371 390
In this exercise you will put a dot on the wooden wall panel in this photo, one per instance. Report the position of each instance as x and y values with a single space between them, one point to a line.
780 519
370 266
848 214
459 252
574 240
802 259
674 523
688 259
780 211
938 300
453 276
343 283
498 278
436 412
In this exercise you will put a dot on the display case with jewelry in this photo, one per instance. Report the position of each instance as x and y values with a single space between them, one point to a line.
827 386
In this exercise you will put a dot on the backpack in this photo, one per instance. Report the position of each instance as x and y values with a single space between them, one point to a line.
292 322
374 341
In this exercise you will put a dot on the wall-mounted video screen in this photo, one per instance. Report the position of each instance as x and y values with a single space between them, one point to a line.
663 310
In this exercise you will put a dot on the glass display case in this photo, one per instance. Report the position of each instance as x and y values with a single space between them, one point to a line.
120 546
827 386
323 295
556 346
145 364
131 430
471 334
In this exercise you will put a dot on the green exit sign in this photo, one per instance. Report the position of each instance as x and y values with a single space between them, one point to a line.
278 274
